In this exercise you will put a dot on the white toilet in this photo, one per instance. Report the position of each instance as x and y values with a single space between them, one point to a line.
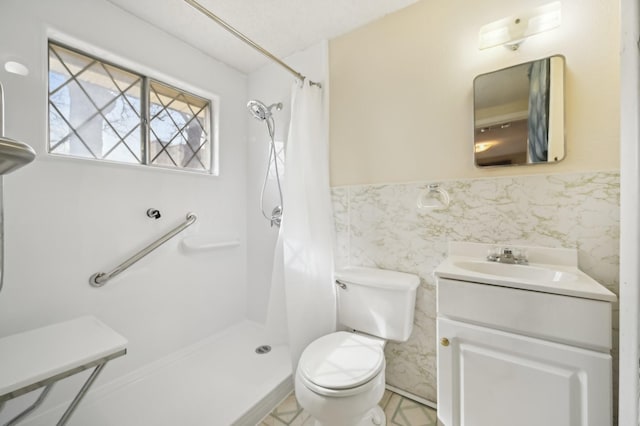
340 376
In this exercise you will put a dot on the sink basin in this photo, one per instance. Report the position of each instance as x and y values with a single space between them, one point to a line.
550 270
516 272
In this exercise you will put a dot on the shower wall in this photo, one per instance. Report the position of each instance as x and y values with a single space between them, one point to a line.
66 219
271 84
403 111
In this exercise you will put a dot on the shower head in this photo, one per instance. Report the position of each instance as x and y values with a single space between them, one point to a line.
260 111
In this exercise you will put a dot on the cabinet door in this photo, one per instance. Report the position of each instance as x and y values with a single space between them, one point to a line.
488 377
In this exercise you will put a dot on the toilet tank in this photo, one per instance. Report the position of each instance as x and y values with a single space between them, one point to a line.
377 301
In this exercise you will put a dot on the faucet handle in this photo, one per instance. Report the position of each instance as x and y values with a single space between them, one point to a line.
521 257
493 254
507 255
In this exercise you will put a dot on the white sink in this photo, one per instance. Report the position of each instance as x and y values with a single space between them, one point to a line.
525 272
550 270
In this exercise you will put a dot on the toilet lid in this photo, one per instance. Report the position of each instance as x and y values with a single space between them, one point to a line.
342 360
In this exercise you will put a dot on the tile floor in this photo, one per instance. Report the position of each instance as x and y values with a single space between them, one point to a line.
400 411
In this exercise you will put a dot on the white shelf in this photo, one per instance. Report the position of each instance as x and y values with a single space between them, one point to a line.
36 356
205 243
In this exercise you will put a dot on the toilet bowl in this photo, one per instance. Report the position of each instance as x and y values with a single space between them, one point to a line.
341 376
340 379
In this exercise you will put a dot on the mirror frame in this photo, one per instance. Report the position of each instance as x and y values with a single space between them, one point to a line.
556 119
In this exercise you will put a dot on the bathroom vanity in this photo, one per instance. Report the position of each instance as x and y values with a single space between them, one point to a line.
522 344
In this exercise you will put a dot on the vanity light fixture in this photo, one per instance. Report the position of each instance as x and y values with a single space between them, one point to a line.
513 30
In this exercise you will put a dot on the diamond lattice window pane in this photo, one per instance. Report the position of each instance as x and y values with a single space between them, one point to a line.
180 130
59 131
96 104
58 74
123 118
63 140
118 150
97 110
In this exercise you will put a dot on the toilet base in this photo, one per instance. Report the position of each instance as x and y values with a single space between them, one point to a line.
359 409
374 417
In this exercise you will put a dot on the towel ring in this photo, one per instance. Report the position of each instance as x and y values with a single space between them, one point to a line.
433 198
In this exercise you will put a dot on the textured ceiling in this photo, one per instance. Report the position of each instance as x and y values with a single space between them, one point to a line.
280 26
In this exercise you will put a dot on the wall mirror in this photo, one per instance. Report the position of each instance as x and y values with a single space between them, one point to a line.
519 114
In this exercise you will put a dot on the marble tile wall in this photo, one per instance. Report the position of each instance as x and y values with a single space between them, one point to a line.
379 225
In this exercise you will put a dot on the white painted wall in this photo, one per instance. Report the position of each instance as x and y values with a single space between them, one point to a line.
66 219
271 84
629 390
402 90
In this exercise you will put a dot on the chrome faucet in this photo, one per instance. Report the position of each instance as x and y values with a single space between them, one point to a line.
507 256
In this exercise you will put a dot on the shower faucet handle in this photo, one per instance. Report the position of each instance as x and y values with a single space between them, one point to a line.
276 216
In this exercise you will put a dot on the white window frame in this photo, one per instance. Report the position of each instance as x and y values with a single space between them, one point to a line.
147 77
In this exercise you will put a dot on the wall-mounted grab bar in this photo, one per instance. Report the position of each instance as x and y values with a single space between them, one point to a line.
100 278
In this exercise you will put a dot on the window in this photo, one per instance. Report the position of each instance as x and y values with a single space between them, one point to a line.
101 111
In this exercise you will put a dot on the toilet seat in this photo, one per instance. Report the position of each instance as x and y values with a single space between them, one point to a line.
341 363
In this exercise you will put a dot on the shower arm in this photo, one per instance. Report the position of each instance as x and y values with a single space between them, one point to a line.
247 40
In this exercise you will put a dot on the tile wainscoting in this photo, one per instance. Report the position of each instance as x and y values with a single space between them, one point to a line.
379 225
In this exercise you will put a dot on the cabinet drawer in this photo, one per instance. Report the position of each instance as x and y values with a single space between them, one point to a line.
571 320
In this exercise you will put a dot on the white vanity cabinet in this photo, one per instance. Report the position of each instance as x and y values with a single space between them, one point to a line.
509 356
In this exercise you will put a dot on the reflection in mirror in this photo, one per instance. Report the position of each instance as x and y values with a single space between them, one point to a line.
519 114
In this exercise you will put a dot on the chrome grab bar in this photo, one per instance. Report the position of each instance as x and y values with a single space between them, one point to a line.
100 278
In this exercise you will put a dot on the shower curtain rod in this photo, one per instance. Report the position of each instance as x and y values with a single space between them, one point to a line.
226 26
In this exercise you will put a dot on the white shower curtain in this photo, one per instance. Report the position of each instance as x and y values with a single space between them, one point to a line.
307 231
